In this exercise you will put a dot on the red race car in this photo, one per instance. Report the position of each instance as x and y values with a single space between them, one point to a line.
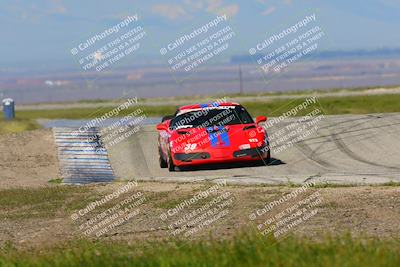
211 133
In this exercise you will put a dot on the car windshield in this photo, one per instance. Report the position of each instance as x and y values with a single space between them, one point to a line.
220 116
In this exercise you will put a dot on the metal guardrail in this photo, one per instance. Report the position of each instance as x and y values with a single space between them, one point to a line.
82 157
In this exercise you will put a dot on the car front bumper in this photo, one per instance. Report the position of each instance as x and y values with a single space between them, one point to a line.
220 156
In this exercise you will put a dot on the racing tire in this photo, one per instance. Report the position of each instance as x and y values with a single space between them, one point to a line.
267 159
162 161
171 166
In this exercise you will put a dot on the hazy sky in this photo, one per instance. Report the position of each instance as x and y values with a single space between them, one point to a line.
46 30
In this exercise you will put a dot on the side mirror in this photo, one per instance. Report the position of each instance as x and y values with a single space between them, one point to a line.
168 117
162 127
261 119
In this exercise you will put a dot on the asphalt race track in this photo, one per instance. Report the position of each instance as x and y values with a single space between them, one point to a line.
343 149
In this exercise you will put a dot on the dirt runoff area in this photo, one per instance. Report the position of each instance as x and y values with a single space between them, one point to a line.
27 159
137 211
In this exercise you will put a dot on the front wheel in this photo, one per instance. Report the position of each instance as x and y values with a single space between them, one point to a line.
171 166
267 159
163 162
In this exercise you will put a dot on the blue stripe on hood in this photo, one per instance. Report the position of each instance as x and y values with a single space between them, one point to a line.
212 136
224 136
